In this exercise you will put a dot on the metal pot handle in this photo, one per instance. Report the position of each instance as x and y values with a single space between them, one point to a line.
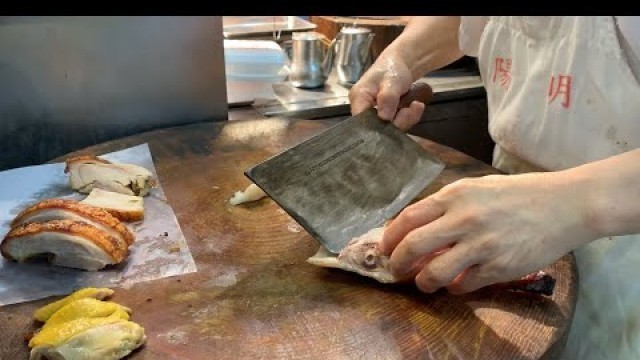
287 46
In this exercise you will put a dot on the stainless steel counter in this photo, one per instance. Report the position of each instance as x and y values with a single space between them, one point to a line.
457 117
332 99
261 27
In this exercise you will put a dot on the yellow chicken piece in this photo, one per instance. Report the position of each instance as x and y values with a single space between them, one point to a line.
88 308
105 342
44 313
82 326
58 333
122 313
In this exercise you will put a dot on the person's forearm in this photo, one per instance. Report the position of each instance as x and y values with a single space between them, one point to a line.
426 44
612 193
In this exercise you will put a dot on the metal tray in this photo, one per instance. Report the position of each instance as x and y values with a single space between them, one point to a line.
235 27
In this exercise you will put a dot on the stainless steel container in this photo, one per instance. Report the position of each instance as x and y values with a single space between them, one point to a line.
353 54
311 59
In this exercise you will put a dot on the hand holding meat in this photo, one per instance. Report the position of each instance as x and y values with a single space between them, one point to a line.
363 256
482 231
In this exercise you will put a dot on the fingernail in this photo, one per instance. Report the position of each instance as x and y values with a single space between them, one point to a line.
425 289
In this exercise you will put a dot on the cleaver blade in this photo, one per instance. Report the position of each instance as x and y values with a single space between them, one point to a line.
348 179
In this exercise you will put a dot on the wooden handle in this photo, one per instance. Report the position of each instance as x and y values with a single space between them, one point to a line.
419 91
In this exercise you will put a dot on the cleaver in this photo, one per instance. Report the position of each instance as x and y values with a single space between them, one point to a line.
351 177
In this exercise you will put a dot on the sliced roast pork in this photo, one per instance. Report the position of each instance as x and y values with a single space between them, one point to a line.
66 243
123 207
66 209
89 172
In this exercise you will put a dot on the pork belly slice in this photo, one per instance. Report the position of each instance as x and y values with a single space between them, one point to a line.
66 243
121 206
89 172
66 209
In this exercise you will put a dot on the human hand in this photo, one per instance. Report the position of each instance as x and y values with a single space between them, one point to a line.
382 86
480 231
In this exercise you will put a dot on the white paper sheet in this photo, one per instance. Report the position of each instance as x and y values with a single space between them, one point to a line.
154 255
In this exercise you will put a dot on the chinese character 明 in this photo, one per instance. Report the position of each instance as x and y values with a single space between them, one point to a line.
561 87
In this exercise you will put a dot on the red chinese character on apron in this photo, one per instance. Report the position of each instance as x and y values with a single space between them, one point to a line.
560 85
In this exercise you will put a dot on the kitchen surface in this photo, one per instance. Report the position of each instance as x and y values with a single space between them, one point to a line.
254 294
177 224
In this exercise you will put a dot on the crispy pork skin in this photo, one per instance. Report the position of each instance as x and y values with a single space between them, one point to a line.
123 207
66 209
66 243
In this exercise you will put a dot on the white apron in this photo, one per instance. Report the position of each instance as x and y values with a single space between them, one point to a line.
563 92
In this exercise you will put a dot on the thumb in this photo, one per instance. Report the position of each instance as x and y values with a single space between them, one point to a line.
388 99
361 99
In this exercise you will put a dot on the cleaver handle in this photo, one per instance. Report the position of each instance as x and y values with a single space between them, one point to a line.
419 91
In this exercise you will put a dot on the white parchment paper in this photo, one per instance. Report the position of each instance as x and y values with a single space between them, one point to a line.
159 251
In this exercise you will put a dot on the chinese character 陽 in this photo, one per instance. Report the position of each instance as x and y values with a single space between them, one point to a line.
502 71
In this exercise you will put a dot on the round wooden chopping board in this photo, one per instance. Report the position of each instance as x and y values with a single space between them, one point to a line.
255 297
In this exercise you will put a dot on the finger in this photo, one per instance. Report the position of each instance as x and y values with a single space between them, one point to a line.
472 279
415 270
362 99
412 217
443 269
409 116
421 242
389 97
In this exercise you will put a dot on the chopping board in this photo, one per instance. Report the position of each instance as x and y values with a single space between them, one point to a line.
255 297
